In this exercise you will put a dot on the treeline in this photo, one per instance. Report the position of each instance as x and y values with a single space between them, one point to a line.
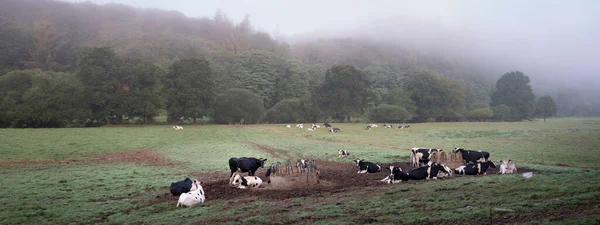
55 71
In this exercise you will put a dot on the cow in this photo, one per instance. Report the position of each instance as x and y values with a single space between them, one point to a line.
507 167
327 125
288 126
301 165
335 130
430 171
368 128
193 197
177 127
472 156
422 156
300 125
245 164
479 168
387 126
311 129
367 167
396 175
244 182
343 153
373 125
446 172
180 187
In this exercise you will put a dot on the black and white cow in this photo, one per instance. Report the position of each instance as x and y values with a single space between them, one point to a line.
479 168
244 182
367 167
343 153
245 164
180 187
327 125
368 128
335 130
396 175
472 156
422 156
427 172
301 165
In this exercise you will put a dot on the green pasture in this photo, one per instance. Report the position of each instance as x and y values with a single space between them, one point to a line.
90 192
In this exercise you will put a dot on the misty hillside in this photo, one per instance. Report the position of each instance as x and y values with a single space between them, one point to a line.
235 48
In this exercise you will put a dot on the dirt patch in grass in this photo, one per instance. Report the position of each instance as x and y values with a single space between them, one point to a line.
142 157
274 152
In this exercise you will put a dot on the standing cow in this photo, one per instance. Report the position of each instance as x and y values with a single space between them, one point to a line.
422 156
479 168
472 156
180 187
367 167
245 164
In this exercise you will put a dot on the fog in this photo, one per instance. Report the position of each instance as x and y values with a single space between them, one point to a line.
553 41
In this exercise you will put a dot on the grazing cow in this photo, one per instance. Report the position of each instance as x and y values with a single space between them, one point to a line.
288 126
343 153
507 167
193 197
177 127
368 128
479 168
396 175
180 187
367 167
246 182
327 125
300 125
422 156
335 130
472 156
245 164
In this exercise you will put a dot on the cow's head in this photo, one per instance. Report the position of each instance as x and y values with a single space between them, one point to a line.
195 185
444 169
261 162
456 150
238 180
358 161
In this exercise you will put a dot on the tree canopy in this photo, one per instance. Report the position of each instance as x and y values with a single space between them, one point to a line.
514 91
546 107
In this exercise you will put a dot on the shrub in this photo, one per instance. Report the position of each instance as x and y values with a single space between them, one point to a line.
389 113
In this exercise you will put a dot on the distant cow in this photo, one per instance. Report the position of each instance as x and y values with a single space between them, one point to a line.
368 128
244 182
193 197
343 153
475 169
507 167
373 125
288 126
180 187
387 126
177 127
422 156
367 167
335 130
300 125
245 164
327 125
473 156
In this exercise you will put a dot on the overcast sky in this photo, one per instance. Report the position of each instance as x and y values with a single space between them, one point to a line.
558 34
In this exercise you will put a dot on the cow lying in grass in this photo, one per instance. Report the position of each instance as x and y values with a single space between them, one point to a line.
194 197
177 127
427 172
343 153
180 187
507 167
367 167
246 182
475 169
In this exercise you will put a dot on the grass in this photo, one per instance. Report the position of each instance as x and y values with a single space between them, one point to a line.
124 193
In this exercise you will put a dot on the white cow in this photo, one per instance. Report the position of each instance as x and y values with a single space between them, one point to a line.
288 126
194 197
373 125
177 127
507 167
246 182
300 125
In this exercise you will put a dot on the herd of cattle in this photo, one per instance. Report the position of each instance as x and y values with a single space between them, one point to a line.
473 162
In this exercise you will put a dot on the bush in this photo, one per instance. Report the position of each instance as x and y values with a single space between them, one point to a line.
502 112
389 113
480 114
238 106
286 111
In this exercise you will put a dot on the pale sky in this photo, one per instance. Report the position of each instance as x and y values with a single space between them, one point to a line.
551 37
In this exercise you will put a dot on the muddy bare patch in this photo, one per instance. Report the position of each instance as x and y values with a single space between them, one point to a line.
141 157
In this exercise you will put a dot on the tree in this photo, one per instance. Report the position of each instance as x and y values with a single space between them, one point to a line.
140 92
257 72
502 112
238 106
400 97
436 96
480 114
546 107
190 89
286 111
345 92
389 113
45 46
14 44
513 90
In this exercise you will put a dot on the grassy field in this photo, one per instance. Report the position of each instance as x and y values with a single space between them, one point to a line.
86 175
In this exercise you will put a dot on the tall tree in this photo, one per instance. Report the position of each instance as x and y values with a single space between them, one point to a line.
190 89
257 72
513 90
546 107
140 92
435 96
45 46
14 44
345 92
238 106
